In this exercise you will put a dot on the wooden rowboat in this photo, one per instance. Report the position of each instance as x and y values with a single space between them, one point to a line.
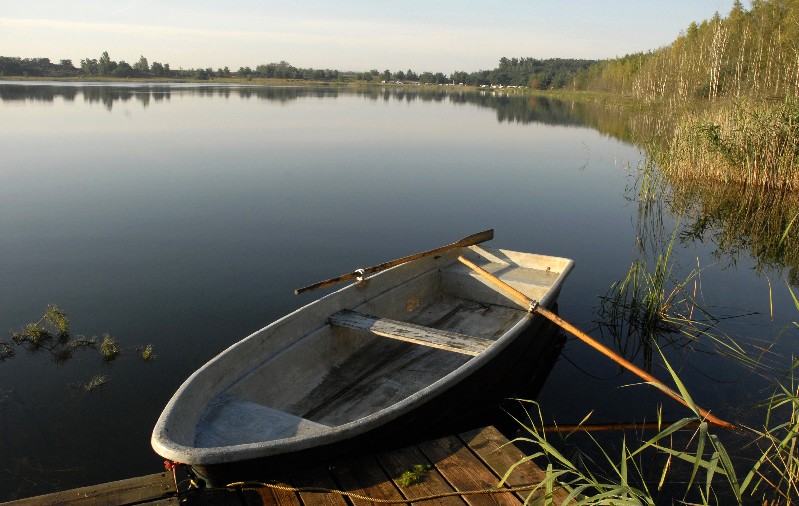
364 361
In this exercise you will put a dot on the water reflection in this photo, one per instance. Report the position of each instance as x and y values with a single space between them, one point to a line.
740 221
509 108
658 304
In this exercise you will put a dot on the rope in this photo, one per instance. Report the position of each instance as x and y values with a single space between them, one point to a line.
252 485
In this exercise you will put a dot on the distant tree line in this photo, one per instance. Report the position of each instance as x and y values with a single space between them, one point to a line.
526 72
749 53
36 67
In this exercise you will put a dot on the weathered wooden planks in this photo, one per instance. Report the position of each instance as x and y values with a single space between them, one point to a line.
427 336
470 465
464 471
431 483
157 489
463 464
498 454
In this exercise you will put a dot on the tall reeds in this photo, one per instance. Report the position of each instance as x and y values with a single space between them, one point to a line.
653 307
688 448
750 144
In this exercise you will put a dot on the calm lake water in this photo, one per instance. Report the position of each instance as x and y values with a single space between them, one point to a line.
183 216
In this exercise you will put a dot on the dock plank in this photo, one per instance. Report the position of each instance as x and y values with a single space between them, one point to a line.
142 489
317 477
278 494
468 462
265 496
465 472
431 483
499 455
364 476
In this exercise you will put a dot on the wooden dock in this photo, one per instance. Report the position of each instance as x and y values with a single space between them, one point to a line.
462 469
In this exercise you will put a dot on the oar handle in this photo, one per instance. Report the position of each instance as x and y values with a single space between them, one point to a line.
469 240
533 305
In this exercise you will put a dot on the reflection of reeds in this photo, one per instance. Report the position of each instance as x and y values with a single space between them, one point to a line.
759 221
651 307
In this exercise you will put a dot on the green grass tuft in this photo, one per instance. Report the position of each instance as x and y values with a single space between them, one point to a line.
109 348
415 474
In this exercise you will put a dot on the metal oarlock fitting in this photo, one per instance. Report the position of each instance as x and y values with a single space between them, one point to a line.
361 274
533 306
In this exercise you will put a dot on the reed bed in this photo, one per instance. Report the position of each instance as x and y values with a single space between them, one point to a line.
746 143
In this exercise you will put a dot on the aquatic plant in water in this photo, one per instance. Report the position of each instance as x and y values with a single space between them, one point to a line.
51 333
109 348
146 353
6 351
96 382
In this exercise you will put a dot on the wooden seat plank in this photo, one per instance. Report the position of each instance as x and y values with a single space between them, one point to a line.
418 334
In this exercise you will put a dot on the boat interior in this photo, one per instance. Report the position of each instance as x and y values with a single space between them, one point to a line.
360 360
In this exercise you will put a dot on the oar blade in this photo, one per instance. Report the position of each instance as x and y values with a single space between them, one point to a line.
484 236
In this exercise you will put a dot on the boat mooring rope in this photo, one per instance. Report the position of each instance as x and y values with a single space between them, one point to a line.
253 485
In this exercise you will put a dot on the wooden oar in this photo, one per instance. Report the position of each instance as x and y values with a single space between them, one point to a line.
471 240
599 427
533 305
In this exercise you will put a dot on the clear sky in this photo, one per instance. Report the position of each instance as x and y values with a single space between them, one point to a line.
423 35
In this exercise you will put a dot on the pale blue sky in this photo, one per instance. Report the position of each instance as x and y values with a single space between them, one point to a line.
422 35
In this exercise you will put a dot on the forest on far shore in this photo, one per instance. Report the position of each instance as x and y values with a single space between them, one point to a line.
525 72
